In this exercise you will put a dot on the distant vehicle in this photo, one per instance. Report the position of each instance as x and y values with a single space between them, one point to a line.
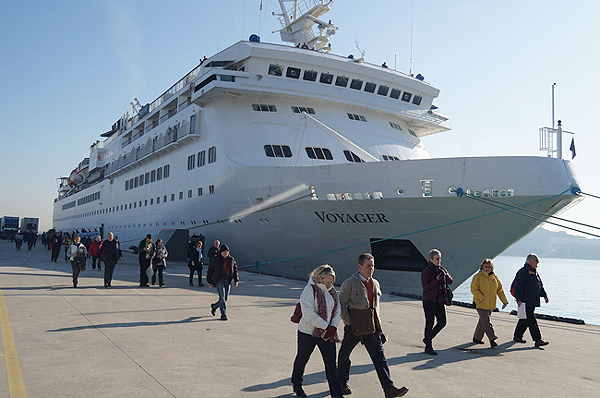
29 224
8 226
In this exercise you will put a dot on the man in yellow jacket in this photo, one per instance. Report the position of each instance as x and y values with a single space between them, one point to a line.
485 286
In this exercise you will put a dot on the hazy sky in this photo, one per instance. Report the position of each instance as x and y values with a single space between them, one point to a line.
68 70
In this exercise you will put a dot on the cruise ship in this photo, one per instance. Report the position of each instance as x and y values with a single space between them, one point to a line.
294 157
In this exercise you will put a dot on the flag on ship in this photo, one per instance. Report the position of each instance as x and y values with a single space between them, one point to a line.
572 148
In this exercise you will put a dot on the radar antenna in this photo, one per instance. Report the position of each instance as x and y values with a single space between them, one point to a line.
298 29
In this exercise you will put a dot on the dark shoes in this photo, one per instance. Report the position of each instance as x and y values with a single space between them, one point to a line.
478 341
191 284
213 309
346 389
299 391
392 392
541 343
429 350
223 317
519 340
75 285
200 285
493 344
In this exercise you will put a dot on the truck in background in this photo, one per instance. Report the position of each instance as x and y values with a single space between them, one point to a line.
29 224
8 227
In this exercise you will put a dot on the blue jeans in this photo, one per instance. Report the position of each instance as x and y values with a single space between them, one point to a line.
223 288
306 346
374 346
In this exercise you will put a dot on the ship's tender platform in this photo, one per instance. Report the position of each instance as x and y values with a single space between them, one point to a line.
156 342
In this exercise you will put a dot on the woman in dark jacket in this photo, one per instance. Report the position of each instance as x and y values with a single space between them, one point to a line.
159 262
435 280
196 262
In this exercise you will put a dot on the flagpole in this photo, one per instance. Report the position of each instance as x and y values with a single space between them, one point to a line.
553 85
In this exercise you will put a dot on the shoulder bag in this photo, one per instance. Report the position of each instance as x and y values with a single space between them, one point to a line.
362 321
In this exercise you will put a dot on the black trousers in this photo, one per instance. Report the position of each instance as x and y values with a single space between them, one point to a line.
374 346
193 269
433 311
157 270
530 323
144 264
306 346
109 267
55 252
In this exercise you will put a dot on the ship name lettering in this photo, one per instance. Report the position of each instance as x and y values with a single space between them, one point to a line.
346 218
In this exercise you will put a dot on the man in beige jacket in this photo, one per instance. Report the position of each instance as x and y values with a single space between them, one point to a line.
361 293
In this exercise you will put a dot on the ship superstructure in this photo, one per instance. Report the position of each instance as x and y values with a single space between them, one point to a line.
297 157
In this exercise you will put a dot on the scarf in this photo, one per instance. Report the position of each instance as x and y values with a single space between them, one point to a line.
442 294
322 310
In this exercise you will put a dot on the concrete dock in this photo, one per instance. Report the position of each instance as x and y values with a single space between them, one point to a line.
126 341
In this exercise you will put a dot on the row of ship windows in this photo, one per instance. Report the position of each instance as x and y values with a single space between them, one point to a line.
284 151
342 81
145 202
311 111
148 177
212 157
86 199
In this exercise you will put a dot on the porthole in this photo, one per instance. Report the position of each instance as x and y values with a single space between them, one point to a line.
400 191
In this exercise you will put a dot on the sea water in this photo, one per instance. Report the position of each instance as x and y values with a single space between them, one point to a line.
571 285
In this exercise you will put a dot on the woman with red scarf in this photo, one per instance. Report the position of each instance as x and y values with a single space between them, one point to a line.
318 327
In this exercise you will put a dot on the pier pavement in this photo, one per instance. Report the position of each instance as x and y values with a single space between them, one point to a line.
126 341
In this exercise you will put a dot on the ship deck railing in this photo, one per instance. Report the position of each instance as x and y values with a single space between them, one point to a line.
171 139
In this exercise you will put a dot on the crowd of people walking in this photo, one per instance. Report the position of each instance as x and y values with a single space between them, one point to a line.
321 309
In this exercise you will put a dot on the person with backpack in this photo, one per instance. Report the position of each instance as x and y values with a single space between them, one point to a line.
528 288
78 255
485 286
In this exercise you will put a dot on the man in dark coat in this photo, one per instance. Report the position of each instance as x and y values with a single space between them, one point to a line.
528 288
56 243
146 251
221 272
111 253
213 251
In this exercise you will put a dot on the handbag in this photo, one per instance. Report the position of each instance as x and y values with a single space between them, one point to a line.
149 272
297 314
362 321
449 295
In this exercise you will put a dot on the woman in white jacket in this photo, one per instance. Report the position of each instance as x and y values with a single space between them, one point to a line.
318 327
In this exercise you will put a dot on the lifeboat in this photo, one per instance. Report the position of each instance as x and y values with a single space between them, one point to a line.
79 174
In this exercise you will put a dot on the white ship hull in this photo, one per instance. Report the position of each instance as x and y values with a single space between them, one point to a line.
291 233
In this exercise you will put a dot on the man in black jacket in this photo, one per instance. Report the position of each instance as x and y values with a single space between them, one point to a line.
146 251
221 272
110 253
213 251
528 288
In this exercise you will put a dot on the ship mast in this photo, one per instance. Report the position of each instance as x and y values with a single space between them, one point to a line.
299 29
